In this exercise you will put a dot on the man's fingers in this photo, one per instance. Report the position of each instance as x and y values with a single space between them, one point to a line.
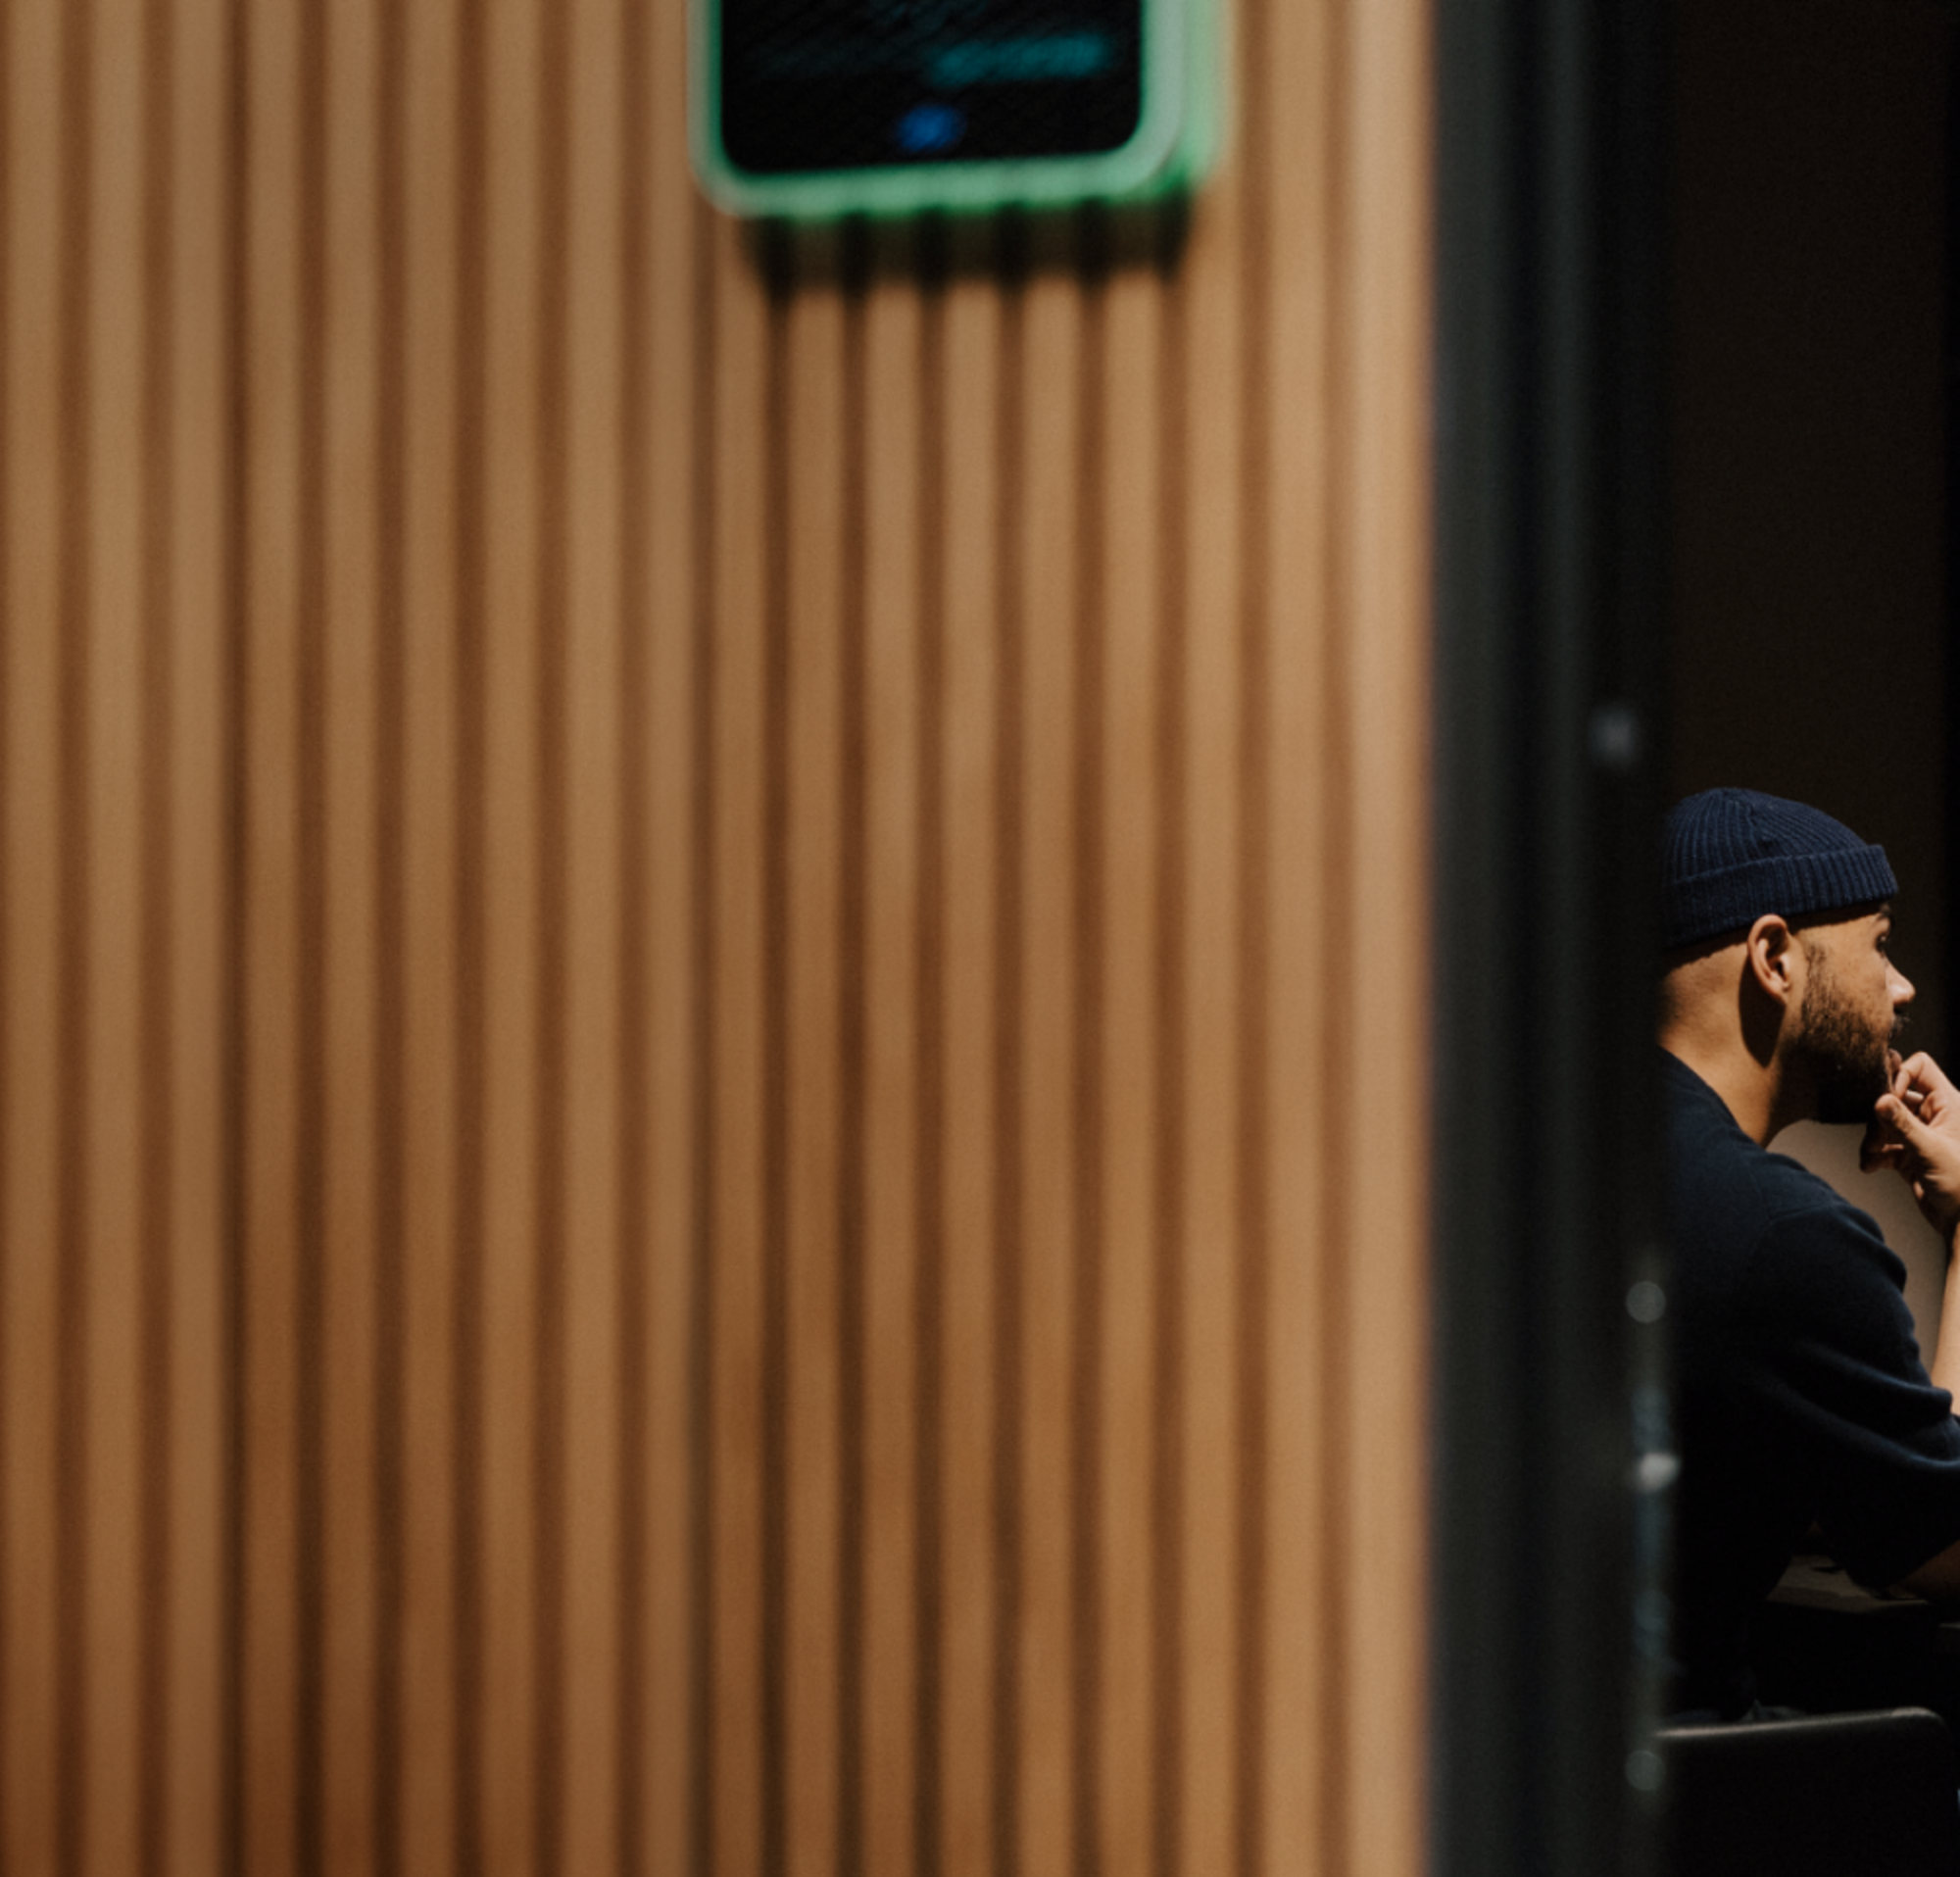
1899 1117
1924 1073
1883 1145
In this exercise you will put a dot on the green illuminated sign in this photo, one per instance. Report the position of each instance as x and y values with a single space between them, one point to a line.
823 108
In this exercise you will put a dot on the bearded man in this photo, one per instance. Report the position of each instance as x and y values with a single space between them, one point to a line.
1801 1397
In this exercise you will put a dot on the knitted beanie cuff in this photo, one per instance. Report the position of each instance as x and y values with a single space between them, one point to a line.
1732 899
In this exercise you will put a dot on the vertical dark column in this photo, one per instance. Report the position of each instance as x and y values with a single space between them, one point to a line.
1546 606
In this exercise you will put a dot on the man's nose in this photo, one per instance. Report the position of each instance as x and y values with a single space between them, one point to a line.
1902 991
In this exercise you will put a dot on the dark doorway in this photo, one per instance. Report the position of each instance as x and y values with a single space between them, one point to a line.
1809 322
1695 340
1806 437
1550 1372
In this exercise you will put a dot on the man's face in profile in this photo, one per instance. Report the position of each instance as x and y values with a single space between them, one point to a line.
1853 1007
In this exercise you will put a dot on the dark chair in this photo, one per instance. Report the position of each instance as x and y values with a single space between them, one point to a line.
1865 1795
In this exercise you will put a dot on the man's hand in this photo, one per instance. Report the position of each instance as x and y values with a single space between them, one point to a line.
1915 1130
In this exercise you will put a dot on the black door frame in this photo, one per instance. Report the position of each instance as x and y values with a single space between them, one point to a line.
1549 1361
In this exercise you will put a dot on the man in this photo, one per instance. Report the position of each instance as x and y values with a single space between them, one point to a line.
1802 1396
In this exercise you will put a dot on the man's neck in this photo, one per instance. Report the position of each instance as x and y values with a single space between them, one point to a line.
1748 1088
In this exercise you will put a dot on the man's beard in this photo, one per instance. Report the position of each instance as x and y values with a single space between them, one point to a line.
1844 1055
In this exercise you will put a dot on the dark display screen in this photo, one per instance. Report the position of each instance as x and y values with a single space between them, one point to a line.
811 85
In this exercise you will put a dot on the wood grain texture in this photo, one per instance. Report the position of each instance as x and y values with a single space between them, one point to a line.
39 1110
420 494
111 1290
666 497
887 725
960 1747
689 921
185 942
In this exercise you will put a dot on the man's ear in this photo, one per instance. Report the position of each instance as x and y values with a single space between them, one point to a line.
1771 950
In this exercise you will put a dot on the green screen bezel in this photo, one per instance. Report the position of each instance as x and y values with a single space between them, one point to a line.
1174 142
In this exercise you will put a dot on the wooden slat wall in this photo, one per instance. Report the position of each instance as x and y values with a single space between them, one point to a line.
712 1049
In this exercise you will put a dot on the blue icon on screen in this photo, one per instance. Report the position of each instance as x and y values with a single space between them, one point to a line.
928 128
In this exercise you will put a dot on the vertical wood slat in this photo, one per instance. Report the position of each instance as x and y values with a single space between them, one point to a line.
188 89
515 1245
960 1741
434 979
277 974
32 951
884 729
1135 618
1384 654
1208 945
785 850
345 666
1301 481
668 913
594 1780
736 1604
1169 1186
1038 1250
76 1074
807 1058
104 953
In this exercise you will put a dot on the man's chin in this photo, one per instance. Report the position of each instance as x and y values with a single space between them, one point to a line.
1850 1104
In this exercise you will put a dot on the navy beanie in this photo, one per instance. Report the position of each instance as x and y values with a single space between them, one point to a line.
1729 856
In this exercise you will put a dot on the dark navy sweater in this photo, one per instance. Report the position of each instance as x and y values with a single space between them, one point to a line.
1800 1394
